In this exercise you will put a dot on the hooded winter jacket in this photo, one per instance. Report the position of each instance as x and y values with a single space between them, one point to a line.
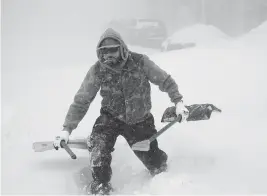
125 90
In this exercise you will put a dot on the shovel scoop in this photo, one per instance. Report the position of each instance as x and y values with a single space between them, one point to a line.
145 144
142 146
196 112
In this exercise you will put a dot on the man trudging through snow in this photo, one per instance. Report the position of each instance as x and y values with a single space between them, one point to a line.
123 79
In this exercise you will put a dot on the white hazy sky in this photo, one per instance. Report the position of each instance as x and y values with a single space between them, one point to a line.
38 30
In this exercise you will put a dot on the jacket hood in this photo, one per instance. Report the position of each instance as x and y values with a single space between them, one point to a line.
111 33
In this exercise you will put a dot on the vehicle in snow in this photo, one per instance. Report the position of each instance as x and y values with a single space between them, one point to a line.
140 31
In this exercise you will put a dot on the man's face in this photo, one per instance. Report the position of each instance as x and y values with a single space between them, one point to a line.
110 52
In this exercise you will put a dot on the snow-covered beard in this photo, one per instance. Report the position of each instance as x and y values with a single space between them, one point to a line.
112 61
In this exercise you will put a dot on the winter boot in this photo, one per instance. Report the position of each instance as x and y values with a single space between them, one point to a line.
96 188
155 171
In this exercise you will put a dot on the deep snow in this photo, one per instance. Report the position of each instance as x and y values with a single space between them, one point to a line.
225 155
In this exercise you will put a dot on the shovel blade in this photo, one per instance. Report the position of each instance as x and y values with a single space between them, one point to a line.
43 146
141 146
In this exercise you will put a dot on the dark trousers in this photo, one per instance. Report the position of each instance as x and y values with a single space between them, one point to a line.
102 140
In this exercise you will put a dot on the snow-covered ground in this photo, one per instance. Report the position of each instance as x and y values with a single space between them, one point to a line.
225 155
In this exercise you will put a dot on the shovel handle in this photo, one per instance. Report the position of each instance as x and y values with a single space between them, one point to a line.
178 119
67 148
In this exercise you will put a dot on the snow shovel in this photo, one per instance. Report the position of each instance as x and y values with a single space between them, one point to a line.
49 145
196 112
145 144
68 150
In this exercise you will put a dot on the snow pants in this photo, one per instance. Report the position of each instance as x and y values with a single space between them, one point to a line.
102 140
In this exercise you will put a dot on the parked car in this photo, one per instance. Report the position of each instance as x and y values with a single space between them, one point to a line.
142 32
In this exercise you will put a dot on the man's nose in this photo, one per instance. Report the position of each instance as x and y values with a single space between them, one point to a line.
107 55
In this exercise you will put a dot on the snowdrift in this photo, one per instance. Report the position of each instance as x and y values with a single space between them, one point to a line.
257 37
195 35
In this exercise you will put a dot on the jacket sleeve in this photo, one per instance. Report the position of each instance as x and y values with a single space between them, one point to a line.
82 100
159 77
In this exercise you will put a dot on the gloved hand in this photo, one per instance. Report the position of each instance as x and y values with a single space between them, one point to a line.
64 135
182 110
